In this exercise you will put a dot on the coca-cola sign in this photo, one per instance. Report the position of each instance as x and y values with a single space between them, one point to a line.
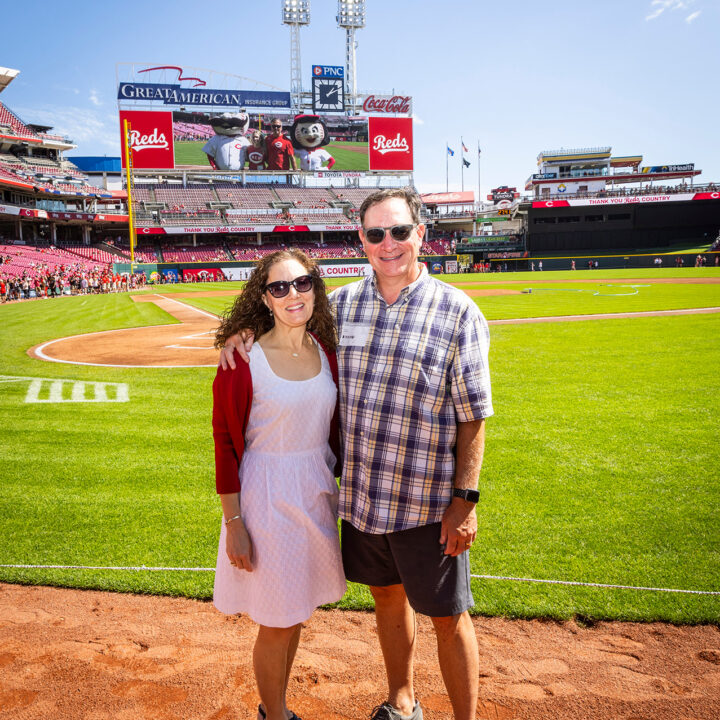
150 139
390 104
390 146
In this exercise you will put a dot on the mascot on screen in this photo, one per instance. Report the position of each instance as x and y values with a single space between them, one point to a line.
226 149
309 134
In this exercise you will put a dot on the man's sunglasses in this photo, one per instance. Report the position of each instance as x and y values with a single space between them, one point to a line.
400 233
281 288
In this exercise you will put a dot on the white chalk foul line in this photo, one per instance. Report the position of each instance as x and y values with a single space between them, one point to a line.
190 307
597 585
139 568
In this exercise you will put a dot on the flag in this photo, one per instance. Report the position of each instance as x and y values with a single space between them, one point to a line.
478 149
451 153
463 146
466 163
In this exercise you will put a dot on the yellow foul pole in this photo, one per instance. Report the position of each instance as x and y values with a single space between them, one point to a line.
129 182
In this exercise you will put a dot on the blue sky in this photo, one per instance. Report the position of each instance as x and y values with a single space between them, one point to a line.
516 77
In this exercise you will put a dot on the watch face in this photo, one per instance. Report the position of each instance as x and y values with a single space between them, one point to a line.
472 496
328 95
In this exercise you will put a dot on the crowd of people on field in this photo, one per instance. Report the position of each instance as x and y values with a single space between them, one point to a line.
50 282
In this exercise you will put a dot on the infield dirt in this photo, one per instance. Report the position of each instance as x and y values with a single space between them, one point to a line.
87 655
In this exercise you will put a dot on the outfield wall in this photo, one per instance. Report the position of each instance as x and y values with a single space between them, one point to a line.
241 269
605 262
598 228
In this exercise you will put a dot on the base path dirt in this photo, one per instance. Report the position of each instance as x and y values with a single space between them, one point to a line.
86 655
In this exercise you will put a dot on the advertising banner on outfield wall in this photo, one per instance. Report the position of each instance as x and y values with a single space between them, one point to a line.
390 143
201 275
151 139
357 270
237 273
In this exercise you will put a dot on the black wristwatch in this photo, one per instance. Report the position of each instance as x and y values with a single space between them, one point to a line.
472 496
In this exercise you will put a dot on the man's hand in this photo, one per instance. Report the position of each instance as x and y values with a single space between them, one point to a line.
242 342
458 527
239 546
459 523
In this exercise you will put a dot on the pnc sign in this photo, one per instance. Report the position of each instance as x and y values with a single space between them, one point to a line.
328 71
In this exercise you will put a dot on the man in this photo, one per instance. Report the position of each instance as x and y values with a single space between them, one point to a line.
280 152
414 395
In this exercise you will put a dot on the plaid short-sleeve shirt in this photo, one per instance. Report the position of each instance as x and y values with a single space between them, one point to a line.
409 373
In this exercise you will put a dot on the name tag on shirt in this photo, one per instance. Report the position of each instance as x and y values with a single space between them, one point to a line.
354 334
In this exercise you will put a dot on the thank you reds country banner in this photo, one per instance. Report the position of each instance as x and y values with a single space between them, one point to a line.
626 200
151 139
390 145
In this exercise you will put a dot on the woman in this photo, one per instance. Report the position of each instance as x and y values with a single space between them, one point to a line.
257 152
274 421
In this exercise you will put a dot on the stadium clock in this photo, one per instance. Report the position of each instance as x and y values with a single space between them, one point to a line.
328 95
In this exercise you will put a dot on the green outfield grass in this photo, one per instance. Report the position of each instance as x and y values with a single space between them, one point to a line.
190 153
602 462
565 293
348 156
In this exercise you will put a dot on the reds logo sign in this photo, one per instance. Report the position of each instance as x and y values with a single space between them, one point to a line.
150 139
390 146
154 141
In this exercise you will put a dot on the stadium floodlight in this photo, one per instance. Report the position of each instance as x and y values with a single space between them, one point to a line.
351 17
295 13
351 13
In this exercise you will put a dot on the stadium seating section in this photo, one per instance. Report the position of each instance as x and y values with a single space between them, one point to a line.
10 124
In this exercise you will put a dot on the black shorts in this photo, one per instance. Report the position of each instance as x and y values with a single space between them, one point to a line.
436 584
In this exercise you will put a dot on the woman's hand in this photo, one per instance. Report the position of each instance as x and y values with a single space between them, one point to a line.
242 342
239 546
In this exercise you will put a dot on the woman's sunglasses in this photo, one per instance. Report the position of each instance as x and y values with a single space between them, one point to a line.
281 288
400 233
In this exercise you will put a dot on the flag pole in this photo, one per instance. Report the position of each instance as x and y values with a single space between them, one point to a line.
478 160
128 185
447 153
462 165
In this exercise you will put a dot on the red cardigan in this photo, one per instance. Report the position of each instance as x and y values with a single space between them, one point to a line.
232 400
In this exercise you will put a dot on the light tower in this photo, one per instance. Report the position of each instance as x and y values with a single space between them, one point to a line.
295 13
351 16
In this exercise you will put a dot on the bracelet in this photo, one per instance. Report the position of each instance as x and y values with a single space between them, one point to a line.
234 517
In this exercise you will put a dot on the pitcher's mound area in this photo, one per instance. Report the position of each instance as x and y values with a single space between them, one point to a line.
86 655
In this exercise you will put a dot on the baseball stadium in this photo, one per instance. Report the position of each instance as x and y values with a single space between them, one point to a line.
595 572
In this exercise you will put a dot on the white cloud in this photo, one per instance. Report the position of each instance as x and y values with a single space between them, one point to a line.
65 88
91 131
417 120
660 6
94 99
692 16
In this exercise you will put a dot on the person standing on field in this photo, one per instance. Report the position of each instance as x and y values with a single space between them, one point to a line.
414 395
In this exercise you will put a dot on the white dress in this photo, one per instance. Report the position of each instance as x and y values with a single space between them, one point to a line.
288 501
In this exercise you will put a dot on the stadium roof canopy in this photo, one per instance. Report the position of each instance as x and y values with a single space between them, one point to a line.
7 76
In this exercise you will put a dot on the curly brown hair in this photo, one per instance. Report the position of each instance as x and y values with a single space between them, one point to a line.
249 312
